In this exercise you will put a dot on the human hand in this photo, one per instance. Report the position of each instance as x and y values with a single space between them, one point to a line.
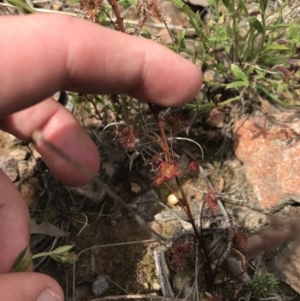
42 54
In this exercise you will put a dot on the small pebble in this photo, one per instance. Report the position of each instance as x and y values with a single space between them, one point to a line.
135 188
156 286
57 5
100 286
114 223
172 200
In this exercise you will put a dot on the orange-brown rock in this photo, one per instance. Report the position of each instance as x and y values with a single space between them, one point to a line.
269 147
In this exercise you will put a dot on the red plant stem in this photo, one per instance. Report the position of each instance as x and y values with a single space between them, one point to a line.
116 10
186 207
162 132
201 240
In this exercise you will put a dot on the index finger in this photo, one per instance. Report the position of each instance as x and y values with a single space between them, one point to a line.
86 58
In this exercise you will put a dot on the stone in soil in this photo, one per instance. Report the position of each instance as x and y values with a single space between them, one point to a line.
10 168
100 286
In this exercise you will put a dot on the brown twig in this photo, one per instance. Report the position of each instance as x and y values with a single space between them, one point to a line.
116 10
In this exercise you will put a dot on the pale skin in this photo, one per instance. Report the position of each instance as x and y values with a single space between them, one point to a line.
42 54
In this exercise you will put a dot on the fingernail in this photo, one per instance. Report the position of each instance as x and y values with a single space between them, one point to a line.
48 295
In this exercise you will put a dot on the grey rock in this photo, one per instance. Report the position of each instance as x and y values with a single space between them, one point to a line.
9 166
100 286
147 205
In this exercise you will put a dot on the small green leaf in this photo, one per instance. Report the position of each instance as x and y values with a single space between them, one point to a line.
250 70
146 34
24 265
133 2
127 3
20 258
261 74
238 73
263 5
237 84
244 7
217 39
187 10
226 3
256 24
211 3
194 19
276 47
124 3
62 250
180 41
281 25
22 6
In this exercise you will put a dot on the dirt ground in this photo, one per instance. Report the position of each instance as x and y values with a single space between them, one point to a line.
108 241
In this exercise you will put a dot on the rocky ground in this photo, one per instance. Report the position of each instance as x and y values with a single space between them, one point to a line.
253 168
252 164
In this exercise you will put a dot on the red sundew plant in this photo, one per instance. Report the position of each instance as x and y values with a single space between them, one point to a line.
148 9
211 200
181 253
126 137
165 170
178 120
193 166
90 9
240 237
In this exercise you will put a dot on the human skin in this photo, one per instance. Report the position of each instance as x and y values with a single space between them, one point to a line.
40 55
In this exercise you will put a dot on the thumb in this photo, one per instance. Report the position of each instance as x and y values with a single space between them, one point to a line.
29 286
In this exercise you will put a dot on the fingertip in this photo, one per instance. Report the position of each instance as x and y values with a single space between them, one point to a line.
74 159
173 82
15 220
29 286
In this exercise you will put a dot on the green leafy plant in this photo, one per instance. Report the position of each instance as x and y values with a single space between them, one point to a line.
60 254
263 285
252 51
